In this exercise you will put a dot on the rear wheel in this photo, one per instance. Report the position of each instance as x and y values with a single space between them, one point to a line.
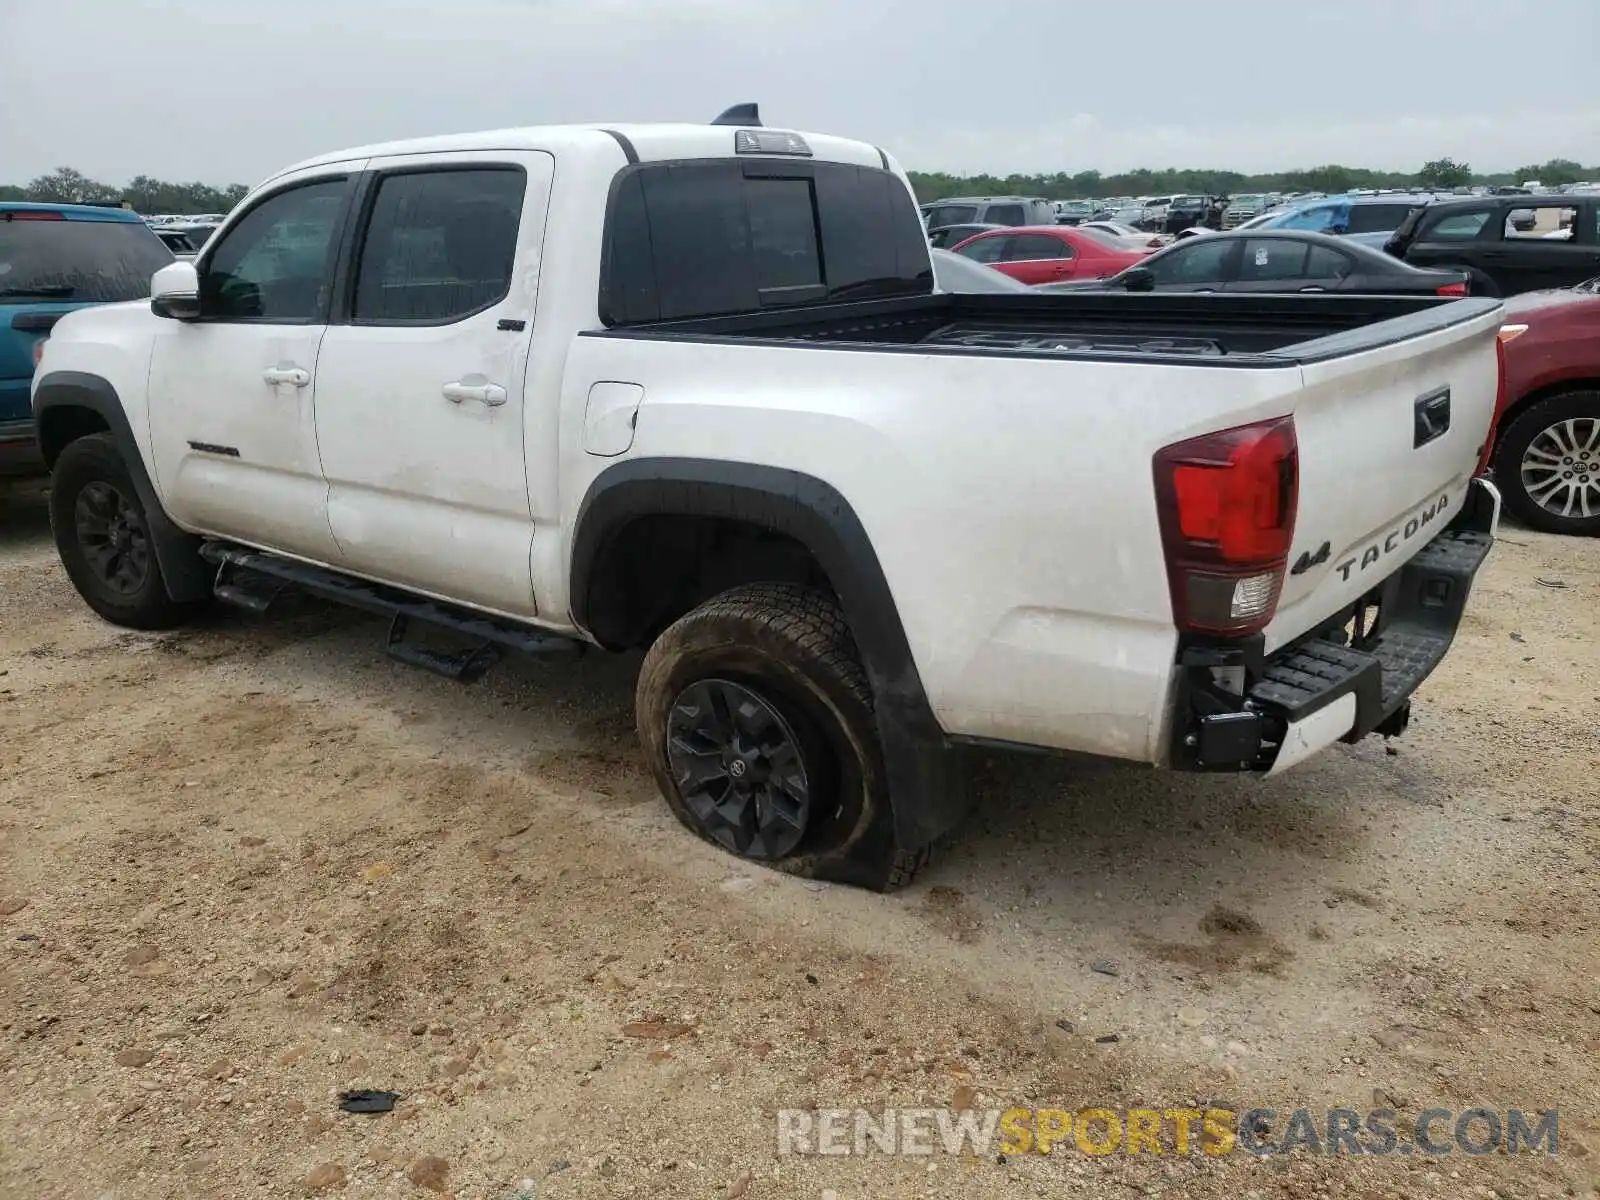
1548 464
757 720
102 534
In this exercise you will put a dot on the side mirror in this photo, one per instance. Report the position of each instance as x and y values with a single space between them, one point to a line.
175 292
1139 279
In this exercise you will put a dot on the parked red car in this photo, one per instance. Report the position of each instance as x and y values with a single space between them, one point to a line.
1547 453
1049 253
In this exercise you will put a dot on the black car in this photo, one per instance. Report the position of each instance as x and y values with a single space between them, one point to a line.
1277 260
1493 240
1186 212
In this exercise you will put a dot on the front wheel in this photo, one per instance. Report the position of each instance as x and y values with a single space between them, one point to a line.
757 719
103 536
1548 464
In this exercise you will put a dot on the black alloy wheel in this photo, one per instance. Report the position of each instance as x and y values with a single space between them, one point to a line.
740 768
113 536
107 540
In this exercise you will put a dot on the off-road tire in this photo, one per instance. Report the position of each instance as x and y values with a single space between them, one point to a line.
792 647
1514 440
86 462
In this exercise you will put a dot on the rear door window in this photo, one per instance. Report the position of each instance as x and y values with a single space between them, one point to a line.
1458 226
51 258
1004 214
703 238
1271 259
440 245
1023 247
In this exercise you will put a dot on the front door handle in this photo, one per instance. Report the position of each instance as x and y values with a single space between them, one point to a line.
491 394
287 373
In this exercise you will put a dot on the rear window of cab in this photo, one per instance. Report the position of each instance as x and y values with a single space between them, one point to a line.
718 237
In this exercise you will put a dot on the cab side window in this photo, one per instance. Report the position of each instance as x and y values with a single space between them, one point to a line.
276 264
440 245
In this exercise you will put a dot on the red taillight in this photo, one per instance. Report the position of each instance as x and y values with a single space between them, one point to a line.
1227 504
31 215
1452 289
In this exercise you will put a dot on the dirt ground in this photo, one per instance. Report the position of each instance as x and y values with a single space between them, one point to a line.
247 866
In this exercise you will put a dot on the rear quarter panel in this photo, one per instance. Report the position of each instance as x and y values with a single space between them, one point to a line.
1010 502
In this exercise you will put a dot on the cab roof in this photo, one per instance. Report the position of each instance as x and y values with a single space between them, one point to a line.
641 143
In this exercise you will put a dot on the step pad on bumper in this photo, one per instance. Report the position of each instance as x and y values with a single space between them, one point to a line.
1422 605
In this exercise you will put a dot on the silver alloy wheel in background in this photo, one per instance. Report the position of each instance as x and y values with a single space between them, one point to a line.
1561 468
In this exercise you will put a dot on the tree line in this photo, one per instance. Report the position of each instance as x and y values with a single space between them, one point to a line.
65 185
144 194
1333 179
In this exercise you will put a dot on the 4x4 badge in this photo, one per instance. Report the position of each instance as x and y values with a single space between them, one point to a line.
1308 560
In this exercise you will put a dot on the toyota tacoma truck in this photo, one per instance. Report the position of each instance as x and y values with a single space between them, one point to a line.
692 390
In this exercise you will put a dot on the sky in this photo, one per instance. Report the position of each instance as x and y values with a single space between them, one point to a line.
229 91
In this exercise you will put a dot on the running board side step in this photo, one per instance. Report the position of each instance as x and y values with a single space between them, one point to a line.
253 580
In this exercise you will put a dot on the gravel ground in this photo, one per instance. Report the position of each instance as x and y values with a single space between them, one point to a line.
249 865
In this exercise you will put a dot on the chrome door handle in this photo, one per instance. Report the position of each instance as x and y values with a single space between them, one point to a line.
491 394
287 374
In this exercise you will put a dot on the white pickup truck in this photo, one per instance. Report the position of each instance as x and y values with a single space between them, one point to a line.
692 389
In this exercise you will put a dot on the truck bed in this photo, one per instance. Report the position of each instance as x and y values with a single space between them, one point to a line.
1235 331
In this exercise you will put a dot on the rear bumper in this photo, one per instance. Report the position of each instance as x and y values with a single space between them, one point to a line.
19 449
1352 677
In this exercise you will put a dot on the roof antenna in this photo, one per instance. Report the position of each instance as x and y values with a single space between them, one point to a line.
740 114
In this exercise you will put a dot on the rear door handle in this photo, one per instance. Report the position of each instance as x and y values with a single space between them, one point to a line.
491 394
287 373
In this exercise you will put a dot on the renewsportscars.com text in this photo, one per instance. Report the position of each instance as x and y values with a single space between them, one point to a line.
1174 1131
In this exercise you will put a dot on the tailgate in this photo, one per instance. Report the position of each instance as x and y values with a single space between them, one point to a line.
1389 438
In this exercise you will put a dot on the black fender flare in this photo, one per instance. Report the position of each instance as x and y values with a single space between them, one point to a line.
186 574
926 791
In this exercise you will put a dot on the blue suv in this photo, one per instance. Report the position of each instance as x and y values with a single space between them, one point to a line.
55 258
1370 220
